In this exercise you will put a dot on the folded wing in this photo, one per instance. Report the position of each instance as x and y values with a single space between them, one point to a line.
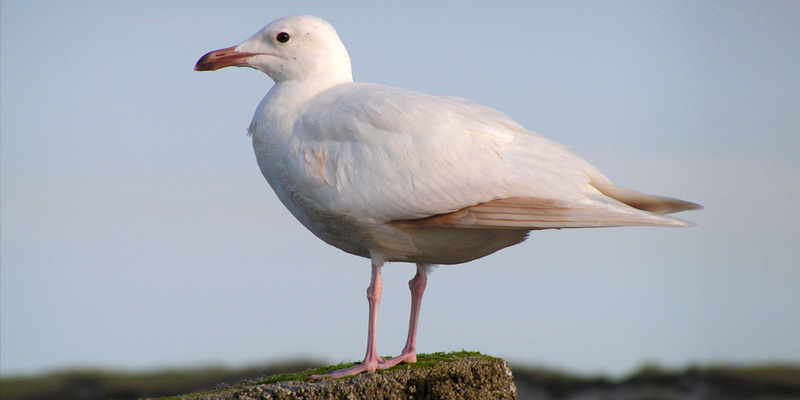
410 159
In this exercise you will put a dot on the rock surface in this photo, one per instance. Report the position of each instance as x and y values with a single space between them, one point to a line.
452 377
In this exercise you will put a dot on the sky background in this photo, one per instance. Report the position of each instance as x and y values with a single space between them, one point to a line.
137 231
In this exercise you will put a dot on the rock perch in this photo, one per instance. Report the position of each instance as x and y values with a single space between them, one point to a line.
463 375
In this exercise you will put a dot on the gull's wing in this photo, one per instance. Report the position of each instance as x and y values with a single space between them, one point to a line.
382 154
532 213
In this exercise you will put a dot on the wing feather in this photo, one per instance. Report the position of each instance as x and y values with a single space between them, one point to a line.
534 213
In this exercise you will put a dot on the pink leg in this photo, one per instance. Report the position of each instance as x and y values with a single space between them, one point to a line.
417 286
371 359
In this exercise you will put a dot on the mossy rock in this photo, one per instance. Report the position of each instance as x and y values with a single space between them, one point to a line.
459 375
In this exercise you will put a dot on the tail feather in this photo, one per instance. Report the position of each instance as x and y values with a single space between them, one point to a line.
646 202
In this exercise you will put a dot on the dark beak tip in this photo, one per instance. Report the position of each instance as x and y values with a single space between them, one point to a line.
203 64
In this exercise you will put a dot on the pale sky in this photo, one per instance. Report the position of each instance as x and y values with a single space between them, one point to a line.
137 231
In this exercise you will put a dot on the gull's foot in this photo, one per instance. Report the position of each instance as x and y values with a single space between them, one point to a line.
354 370
371 365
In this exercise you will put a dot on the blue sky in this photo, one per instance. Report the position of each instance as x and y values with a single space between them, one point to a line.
138 233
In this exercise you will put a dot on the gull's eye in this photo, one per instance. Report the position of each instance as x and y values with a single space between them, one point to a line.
283 37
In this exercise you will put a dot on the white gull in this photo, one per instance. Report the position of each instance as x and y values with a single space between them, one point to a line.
395 175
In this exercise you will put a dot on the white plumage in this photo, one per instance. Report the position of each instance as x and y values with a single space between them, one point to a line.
395 175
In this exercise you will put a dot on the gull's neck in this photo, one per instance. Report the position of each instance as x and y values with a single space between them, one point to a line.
290 96
283 104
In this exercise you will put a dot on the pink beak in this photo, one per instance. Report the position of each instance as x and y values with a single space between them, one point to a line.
222 58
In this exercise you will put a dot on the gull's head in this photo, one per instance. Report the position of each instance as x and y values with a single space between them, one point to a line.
291 48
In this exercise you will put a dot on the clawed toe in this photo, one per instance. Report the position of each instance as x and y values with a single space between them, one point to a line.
408 358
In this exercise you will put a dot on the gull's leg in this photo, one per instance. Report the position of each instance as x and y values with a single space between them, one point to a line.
417 286
371 359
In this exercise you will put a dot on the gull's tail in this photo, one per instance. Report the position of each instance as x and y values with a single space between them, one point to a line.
646 202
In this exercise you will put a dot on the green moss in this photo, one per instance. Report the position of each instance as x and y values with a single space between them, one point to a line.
427 360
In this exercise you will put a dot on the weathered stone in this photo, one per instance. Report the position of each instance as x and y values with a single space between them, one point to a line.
459 377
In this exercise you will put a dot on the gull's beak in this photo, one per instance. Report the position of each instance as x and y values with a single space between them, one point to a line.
222 58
